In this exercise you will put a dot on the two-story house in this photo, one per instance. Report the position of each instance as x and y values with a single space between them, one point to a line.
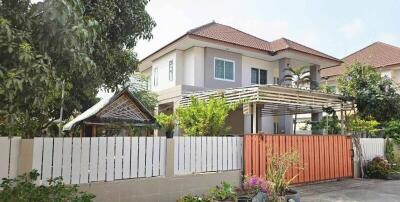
216 56
384 57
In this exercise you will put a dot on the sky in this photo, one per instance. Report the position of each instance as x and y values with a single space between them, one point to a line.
336 27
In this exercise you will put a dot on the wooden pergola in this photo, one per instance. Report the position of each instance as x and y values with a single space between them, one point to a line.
274 100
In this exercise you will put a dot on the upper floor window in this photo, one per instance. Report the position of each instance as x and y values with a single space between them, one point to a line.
155 77
258 76
224 69
171 70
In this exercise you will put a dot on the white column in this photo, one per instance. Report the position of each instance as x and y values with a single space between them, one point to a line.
254 118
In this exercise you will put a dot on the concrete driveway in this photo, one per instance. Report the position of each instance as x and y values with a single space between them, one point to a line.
352 190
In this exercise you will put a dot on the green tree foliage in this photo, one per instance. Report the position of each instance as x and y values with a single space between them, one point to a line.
138 86
86 44
374 96
24 189
392 130
330 123
205 118
166 122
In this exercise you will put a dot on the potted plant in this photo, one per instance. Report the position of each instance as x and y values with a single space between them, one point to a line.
254 189
277 169
225 192
167 123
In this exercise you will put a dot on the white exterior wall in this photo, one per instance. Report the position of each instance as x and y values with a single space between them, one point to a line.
193 71
162 64
267 122
248 63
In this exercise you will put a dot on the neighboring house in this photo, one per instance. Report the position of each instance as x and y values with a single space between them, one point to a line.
384 57
113 116
216 56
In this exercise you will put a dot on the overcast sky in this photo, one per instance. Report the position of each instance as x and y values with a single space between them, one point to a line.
336 27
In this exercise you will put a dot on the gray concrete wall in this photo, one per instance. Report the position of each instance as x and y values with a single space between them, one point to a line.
159 188
209 81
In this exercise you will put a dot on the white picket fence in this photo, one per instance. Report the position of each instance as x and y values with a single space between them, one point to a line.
372 147
9 152
84 160
207 154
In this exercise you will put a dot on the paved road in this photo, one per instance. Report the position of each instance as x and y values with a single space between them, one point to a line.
351 190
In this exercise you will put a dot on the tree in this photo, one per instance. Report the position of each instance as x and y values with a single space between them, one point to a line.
330 122
298 76
360 127
205 118
86 44
373 95
392 130
138 86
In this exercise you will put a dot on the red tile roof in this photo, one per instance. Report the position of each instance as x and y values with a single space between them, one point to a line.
377 54
231 35
227 34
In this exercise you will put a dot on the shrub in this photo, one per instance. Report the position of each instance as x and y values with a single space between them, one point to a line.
167 122
223 192
378 168
203 118
24 189
192 198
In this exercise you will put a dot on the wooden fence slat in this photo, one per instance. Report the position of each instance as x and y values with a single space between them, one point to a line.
142 157
85 151
5 155
135 156
219 157
215 145
94 159
66 160
47 159
240 152
186 154
176 155
102 165
156 156
163 152
57 157
235 153
149 157
230 155
76 160
14 154
119 142
181 155
126 164
224 153
306 146
110 159
311 158
203 154
193 154
209 153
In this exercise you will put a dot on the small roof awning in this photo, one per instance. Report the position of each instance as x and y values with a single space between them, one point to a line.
275 100
122 107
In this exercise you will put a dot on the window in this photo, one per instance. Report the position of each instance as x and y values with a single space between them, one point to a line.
155 76
170 70
258 76
224 69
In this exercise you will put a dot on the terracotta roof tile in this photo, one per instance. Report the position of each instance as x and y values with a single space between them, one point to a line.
229 34
377 54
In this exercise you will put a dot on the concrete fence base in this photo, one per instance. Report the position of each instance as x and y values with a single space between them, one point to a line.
160 188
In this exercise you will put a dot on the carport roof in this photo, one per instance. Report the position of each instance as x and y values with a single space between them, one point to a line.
274 99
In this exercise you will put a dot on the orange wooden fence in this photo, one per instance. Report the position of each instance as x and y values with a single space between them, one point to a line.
322 157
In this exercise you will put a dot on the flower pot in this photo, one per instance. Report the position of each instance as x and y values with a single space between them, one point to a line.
169 134
259 197
292 196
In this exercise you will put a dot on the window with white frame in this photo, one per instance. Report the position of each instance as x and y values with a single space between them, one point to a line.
224 69
171 70
155 77
258 76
